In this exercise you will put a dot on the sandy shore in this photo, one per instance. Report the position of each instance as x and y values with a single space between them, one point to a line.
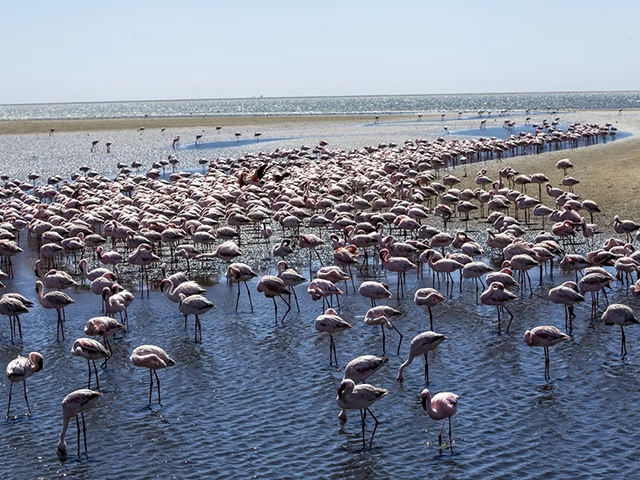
17 127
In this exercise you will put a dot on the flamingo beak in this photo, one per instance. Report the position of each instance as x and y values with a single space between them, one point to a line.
424 403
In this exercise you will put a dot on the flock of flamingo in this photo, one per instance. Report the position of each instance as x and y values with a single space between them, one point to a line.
369 206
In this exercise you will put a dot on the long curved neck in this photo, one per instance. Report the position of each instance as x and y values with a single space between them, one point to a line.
430 409
62 445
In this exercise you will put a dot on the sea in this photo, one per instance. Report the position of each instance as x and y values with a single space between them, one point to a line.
347 105
256 398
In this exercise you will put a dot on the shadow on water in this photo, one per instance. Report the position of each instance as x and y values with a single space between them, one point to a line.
232 143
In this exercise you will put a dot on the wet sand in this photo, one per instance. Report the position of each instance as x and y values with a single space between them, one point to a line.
16 127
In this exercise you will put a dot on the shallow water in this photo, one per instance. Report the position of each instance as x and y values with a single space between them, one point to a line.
256 399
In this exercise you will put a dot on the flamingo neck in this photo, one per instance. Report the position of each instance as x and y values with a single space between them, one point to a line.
62 445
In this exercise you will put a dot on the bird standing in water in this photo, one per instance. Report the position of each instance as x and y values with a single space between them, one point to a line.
442 406
19 370
153 358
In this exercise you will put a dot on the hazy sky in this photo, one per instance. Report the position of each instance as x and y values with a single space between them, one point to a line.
79 50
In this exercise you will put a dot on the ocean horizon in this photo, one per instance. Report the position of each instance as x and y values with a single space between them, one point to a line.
323 105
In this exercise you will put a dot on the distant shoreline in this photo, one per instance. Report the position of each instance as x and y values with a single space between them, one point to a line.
19 127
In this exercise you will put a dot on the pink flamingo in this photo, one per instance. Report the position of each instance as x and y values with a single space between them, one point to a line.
91 350
195 305
618 314
112 258
13 308
74 404
421 344
241 272
54 300
153 358
374 291
291 278
19 370
496 294
360 397
568 295
428 297
331 323
381 315
319 288
400 265
442 406
545 336
273 287
359 369
105 327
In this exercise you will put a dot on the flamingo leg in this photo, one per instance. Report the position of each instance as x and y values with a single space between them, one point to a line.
362 419
375 427
288 308
295 297
450 438
430 318
249 292
623 346
95 369
238 298
84 434
440 433
401 337
78 431
158 384
547 375
9 406
426 368
198 329
150 385
510 318
275 306
383 340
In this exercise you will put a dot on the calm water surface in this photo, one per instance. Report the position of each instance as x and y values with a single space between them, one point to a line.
256 399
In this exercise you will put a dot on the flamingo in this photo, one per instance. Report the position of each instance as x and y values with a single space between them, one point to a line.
194 305
374 291
13 308
442 406
400 265
273 287
282 249
359 369
381 315
496 294
421 344
74 404
91 350
319 288
331 323
428 297
112 258
153 358
618 314
567 294
105 327
291 278
54 300
241 272
93 274
187 288
360 397
545 336
19 370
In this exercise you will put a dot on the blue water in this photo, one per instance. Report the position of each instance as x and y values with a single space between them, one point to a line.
357 105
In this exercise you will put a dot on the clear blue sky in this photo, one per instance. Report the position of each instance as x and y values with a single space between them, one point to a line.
79 50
